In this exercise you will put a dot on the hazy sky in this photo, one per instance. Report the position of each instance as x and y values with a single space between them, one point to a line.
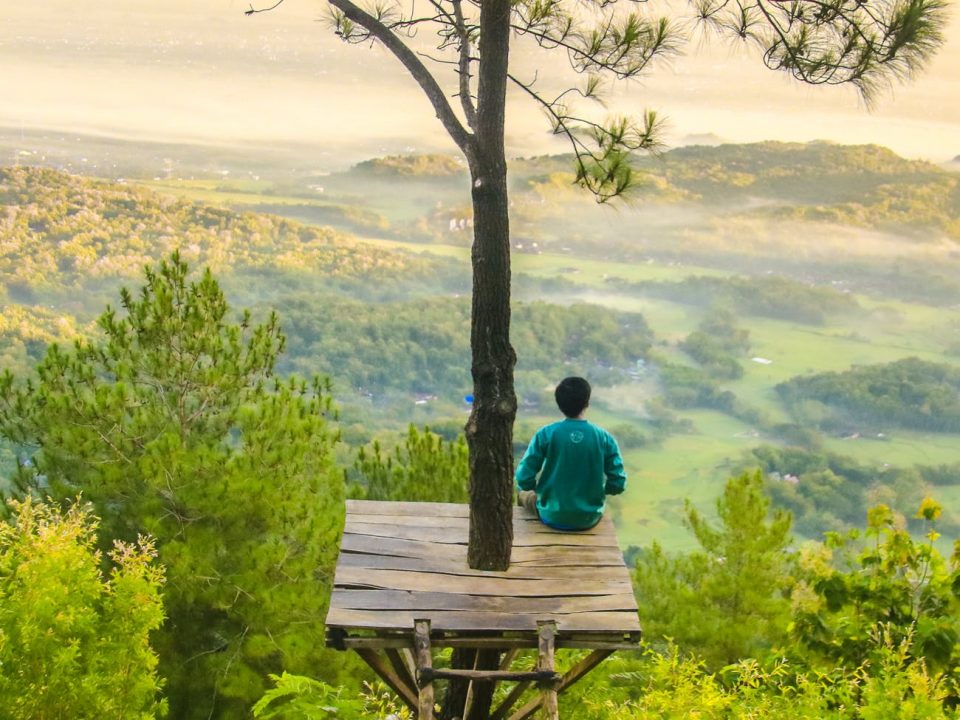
199 70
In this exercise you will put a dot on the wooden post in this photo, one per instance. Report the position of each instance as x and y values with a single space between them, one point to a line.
547 631
421 646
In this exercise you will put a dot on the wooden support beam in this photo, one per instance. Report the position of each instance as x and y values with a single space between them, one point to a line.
406 655
503 709
508 657
405 692
421 646
582 668
547 631
542 676
468 699
501 643
573 675
400 667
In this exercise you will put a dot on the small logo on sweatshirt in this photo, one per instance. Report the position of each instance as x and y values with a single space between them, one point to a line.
576 436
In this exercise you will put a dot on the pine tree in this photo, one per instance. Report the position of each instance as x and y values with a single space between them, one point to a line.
173 424
725 601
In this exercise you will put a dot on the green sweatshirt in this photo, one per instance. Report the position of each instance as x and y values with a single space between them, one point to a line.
581 465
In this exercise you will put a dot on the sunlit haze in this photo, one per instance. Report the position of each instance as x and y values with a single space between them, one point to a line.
201 71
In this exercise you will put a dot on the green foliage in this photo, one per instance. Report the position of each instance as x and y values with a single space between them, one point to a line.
421 346
717 343
855 599
725 601
295 697
415 166
767 296
426 468
75 640
670 685
71 232
687 387
172 423
909 393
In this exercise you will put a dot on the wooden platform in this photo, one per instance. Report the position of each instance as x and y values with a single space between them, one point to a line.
403 587
400 562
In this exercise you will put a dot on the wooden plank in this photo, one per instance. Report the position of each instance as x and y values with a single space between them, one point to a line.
451 566
423 521
529 526
517 639
407 532
458 566
400 666
416 509
455 535
545 537
412 548
569 556
405 600
400 548
508 657
609 623
517 587
422 510
475 675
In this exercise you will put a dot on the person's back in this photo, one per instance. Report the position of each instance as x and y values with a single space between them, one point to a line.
579 464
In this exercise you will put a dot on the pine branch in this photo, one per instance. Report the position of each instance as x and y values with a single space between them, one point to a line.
351 13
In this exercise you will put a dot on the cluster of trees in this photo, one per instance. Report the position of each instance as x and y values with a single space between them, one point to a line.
910 393
717 343
864 624
172 422
772 296
63 231
816 172
433 166
423 346
865 186
828 491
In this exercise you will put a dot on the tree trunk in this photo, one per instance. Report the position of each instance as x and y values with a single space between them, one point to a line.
490 427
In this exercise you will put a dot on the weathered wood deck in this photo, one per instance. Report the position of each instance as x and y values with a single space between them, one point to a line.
400 562
403 586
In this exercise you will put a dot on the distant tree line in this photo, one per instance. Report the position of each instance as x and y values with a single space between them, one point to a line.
772 296
422 346
828 491
910 393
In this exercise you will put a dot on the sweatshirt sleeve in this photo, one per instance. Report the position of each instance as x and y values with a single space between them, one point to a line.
613 468
526 474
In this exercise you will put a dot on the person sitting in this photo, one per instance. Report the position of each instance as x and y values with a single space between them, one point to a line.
579 464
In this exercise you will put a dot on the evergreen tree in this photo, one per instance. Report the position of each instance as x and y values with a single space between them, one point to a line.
172 424
424 469
726 601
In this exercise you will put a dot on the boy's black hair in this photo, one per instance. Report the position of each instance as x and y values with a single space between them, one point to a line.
573 395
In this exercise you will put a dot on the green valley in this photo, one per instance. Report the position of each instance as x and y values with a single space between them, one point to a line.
368 274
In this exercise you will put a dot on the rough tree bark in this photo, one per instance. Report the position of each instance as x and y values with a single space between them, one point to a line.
490 427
